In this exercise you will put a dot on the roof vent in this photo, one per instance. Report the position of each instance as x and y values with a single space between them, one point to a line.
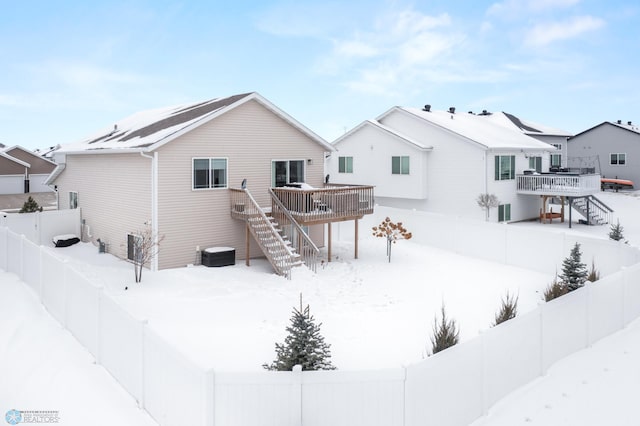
619 121
452 110
427 108
470 112
628 123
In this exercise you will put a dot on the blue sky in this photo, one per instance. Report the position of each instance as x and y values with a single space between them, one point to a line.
72 68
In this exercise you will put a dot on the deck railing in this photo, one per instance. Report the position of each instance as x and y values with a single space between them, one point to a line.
330 203
559 184
299 239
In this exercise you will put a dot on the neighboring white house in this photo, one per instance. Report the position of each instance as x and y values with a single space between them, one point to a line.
441 161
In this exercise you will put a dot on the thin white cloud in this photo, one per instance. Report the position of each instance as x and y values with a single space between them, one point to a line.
356 49
518 8
547 33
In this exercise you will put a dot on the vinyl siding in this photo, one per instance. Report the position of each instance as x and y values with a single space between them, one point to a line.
38 164
114 193
250 137
8 167
596 145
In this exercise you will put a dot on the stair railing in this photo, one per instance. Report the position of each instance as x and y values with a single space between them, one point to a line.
302 243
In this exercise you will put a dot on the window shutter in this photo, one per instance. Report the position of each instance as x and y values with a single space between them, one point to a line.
512 172
497 162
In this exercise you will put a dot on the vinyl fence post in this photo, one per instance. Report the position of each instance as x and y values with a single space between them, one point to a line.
141 402
209 397
22 262
297 394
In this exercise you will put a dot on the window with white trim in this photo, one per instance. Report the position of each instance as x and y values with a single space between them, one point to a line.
400 165
619 159
345 164
505 167
555 160
73 200
134 247
504 212
209 173
285 172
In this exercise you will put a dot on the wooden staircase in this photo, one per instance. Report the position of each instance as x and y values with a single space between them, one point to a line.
593 209
270 237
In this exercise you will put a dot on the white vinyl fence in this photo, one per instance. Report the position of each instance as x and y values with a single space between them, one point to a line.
451 388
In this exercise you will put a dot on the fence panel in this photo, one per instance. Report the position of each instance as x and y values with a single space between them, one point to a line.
53 286
174 387
32 266
606 306
121 345
513 352
564 326
447 388
631 280
58 222
353 398
83 311
530 249
258 399
4 241
482 240
25 224
14 253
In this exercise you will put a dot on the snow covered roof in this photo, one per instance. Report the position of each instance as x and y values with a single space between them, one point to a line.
28 151
148 130
481 129
379 126
527 127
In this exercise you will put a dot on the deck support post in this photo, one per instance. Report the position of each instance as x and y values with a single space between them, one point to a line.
570 202
562 210
247 246
355 243
329 242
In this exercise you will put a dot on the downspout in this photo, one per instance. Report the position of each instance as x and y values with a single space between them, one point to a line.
154 203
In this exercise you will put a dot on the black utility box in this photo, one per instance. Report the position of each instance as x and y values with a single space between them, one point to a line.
219 256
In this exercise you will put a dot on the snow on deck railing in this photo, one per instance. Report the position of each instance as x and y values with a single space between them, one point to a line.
451 388
559 184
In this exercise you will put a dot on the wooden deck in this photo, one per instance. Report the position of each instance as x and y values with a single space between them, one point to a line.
559 184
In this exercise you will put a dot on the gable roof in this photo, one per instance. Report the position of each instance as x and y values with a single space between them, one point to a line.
151 129
381 127
625 126
476 128
14 159
27 151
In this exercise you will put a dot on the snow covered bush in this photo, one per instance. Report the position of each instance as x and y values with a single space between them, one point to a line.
574 272
445 333
304 345
615 233
392 232
508 309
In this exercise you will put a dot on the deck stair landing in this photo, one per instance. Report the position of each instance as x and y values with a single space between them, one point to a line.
593 209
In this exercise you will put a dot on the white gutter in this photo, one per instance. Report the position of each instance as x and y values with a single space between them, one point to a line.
154 204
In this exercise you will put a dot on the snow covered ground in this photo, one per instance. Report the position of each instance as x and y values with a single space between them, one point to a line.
375 314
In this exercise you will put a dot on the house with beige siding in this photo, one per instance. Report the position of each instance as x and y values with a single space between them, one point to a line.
23 171
203 175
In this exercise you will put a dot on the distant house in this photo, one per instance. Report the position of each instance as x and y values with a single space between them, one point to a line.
23 171
442 161
202 175
613 146
558 158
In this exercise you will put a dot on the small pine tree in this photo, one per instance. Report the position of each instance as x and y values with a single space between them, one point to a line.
594 274
574 272
445 333
304 345
615 233
508 309
30 206
555 290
